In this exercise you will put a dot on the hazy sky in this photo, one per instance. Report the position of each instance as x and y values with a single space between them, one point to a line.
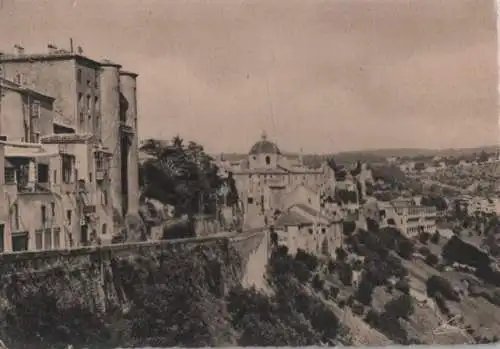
321 75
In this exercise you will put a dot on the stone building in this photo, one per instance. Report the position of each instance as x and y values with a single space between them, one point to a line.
267 175
70 131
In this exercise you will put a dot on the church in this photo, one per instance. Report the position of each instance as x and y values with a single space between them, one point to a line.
266 176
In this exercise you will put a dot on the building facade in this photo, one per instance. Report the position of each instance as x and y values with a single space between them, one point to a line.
70 142
266 176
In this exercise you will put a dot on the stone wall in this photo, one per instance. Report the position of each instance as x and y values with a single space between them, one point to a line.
87 275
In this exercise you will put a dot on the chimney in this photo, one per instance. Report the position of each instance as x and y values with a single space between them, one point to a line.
52 48
19 49
80 50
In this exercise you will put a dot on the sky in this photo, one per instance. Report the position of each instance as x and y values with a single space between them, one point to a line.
322 76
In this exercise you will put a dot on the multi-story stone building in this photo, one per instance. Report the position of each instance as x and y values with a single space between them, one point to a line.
267 175
78 119
405 214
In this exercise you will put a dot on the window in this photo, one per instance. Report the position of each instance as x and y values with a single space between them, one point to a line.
105 197
54 176
96 105
18 79
104 229
2 237
10 176
43 213
15 216
68 216
67 168
39 239
268 160
48 239
35 109
96 79
90 177
79 76
89 83
43 173
250 200
89 105
57 237
53 209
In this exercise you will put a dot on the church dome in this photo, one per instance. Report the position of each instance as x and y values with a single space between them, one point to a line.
264 147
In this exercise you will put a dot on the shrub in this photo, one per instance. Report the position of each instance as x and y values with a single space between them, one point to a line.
431 259
424 237
345 274
308 259
401 307
424 251
439 285
318 283
405 249
403 286
341 254
365 291
435 237
358 308
348 227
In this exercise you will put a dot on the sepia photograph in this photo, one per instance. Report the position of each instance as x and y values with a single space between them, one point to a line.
261 173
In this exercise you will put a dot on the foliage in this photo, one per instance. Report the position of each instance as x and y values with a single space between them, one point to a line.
435 237
348 227
401 307
365 291
431 259
345 273
456 250
424 237
181 175
438 285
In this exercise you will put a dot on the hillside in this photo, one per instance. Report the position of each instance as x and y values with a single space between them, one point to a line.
379 155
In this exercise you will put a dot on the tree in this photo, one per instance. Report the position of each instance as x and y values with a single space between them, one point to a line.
181 175
405 249
435 237
401 307
365 291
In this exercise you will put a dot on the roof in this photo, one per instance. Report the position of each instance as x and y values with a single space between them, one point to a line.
24 152
68 138
311 211
4 83
290 218
264 147
61 55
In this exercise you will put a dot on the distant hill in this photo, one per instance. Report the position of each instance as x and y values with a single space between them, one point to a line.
380 155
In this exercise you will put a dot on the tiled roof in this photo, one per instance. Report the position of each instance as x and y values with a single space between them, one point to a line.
291 219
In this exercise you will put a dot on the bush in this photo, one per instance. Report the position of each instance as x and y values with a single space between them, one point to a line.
341 254
308 259
439 285
403 286
405 249
424 251
431 259
401 307
345 274
348 227
365 291
318 283
358 308
424 237
435 237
